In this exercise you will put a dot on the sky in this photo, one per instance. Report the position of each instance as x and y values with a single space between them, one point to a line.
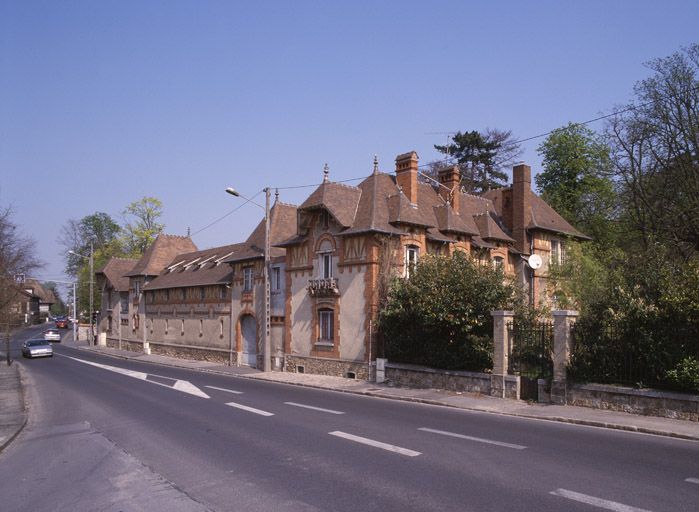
105 102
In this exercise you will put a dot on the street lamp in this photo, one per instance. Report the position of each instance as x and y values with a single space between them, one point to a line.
267 344
92 273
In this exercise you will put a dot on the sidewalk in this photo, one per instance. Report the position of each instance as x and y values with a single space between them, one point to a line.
13 415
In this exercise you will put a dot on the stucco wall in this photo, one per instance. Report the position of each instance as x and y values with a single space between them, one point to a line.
352 315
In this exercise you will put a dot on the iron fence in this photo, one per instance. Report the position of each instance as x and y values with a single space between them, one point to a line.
531 349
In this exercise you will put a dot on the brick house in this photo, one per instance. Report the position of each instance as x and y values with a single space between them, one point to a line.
350 238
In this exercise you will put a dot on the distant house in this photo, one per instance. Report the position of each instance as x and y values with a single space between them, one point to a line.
40 301
113 283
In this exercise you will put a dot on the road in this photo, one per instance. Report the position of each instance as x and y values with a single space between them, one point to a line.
109 434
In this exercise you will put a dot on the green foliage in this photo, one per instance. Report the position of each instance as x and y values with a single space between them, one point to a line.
97 231
575 180
482 158
440 317
143 227
685 376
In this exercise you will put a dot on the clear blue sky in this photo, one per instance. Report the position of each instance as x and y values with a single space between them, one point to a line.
104 102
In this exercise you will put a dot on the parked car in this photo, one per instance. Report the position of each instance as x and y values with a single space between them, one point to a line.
52 335
37 348
61 322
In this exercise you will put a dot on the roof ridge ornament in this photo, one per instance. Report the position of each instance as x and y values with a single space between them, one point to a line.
376 165
326 173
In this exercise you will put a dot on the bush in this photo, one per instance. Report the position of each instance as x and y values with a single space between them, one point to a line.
440 317
685 376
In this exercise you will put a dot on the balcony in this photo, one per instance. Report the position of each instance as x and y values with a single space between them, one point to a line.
323 287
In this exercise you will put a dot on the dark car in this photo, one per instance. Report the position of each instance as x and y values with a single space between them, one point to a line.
37 348
61 322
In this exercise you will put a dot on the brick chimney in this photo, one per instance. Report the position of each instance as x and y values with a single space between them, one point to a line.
450 178
406 175
521 204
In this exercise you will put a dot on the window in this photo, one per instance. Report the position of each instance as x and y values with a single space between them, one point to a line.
324 220
411 254
137 288
247 279
498 263
183 294
167 324
222 292
325 325
167 295
326 265
202 293
556 254
276 278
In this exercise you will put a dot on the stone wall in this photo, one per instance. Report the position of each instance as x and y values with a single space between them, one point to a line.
195 353
420 377
649 402
332 367
130 345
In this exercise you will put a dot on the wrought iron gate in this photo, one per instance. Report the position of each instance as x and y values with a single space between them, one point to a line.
530 355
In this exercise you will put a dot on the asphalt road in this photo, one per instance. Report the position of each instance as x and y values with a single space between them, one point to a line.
109 434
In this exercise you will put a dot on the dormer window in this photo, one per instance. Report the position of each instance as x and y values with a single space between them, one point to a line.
324 220
325 260
247 279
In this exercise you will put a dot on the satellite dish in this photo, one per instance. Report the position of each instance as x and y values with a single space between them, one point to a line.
534 261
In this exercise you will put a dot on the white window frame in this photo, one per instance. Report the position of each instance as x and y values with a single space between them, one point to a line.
247 279
556 254
412 254
499 262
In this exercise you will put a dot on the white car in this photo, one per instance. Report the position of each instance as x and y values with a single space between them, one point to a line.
52 335
37 348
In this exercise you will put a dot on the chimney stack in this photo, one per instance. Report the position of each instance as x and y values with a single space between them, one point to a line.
450 178
521 204
406 175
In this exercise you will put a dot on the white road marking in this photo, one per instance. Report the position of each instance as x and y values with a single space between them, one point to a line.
477 439
330 411
376 444
226 390
692 480
250 409
596 502
179 385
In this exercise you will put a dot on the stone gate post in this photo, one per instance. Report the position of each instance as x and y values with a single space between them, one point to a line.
563 321
501 352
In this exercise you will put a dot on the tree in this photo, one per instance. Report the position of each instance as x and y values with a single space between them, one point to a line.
446 304
98 229
17 258
144 227
655 154
576 181
482 158
59 307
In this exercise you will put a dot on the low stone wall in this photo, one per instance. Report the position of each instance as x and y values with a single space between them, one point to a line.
648 402
332 367
130 345
196 353
412 376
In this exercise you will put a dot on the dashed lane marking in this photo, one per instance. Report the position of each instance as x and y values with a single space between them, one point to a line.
596 502
376 444
313 408
476 439
692 480
250 409
226 390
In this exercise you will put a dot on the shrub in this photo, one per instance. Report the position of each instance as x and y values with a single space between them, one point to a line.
685 376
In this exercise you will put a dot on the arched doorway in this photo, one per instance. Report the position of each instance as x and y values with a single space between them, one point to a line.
248 329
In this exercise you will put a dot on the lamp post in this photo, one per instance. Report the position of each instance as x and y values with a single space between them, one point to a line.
267 343
91 258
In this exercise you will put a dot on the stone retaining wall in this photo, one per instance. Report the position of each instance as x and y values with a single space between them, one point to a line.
649 402
332 367
130 345
469 382
196 353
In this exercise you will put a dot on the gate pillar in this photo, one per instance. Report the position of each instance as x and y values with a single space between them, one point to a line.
501 352
563 321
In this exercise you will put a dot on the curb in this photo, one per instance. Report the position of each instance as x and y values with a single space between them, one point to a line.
427 401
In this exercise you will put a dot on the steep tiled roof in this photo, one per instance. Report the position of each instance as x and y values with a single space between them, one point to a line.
340 200
449 222
160 253
45 295
540 215
198 268
282 227
115 271
489 228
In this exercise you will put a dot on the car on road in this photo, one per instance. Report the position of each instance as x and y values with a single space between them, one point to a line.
52 335
61 322
37 348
